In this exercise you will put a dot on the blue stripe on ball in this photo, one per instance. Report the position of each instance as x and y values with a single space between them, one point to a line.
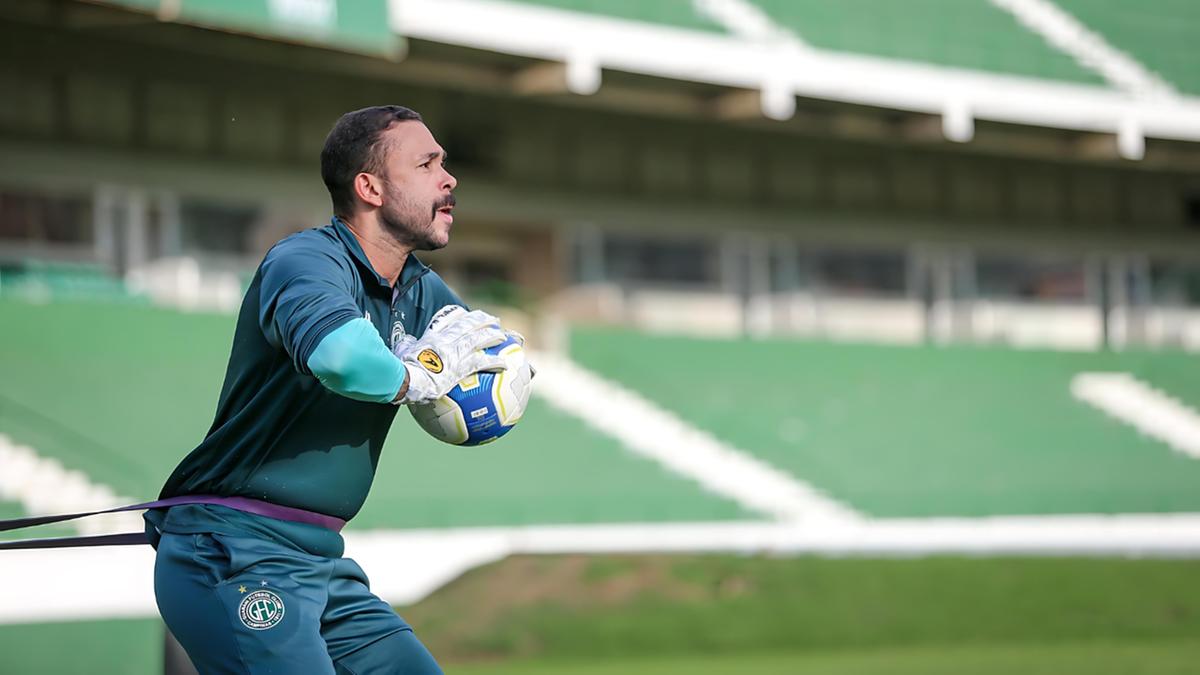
479 407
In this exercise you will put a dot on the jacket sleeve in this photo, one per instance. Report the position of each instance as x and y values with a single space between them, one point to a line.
306 293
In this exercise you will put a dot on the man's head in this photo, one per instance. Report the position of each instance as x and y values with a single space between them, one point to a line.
384 160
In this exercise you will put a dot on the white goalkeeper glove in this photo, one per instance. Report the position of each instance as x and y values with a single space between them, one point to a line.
521 340
450 350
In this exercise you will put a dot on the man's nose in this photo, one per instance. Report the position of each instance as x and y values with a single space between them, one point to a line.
449 182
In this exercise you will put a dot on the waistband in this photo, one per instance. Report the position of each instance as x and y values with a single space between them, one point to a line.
255 506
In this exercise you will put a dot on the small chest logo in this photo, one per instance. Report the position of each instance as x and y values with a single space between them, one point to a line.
397 334
261 610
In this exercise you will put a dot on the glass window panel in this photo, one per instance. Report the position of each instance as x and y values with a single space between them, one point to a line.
1012 278
1175 282
44 218
629 258
863 272
210 227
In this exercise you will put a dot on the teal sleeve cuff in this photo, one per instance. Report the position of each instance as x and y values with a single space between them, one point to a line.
353 361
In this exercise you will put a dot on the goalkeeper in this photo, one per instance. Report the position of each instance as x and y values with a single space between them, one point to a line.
329 337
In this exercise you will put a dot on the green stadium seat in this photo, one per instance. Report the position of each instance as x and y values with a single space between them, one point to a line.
54 280
123 392
919 431
1161 35
673 13
970 34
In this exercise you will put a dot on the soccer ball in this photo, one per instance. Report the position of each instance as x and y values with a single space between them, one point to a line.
482 407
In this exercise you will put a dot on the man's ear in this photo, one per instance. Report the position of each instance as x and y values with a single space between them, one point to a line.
369 189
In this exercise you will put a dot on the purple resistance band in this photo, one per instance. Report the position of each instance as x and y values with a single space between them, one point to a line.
255 506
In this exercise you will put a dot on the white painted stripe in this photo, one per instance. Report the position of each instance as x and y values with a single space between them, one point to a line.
734 61
1149 410
43 486
406 565
1090 49
742 18
647 429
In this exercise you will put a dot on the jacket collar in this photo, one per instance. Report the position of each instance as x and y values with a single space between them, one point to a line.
412 270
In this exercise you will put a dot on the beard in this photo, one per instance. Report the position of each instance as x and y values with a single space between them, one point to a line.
412 223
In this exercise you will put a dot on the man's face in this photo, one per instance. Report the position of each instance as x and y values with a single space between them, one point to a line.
417 198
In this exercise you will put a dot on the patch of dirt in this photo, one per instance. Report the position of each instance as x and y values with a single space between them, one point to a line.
480 600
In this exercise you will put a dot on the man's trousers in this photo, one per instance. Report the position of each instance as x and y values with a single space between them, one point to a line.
248 605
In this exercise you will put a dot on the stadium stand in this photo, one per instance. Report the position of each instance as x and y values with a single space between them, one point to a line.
47 279
918 431
952 432
1162 36
122 392
974 34
673 13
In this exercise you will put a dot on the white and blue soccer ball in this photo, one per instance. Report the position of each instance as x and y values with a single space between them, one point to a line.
484 406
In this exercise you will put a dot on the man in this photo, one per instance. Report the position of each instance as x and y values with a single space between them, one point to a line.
330 335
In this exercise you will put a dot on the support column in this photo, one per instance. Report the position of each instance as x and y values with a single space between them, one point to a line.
136 240
758 318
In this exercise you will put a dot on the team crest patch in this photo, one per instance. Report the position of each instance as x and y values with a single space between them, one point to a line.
261 610
397 333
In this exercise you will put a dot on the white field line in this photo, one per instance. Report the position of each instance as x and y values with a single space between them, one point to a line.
647 429
1140 405
43 486
406 565
1090 49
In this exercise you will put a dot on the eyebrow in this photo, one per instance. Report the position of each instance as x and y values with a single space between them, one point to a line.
433 155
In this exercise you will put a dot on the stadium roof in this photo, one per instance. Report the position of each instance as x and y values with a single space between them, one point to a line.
350 25
1080 65
1098 68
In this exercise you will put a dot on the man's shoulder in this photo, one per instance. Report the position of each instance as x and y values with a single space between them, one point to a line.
313 239
312 246
316 253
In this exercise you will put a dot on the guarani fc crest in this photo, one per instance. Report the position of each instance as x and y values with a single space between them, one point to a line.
397 334
261 610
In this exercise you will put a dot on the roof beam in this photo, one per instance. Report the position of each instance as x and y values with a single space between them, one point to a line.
541 79
579 74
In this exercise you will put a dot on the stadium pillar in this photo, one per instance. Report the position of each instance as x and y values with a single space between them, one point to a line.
757 317
104 226
136 231
1108 286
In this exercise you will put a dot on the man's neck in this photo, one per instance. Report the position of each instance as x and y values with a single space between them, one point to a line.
386 255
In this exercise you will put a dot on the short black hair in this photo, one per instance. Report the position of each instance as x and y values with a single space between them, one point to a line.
353 146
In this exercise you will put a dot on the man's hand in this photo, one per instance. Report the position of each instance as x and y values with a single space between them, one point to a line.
450 350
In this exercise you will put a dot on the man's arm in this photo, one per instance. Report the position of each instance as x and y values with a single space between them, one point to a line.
353 361
306 293
307 308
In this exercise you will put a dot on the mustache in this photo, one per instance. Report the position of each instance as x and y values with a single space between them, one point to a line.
448 200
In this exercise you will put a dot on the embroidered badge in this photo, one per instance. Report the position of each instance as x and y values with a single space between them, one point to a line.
431 360
397 333
261 610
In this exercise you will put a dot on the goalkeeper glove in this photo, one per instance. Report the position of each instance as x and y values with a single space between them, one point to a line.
450 350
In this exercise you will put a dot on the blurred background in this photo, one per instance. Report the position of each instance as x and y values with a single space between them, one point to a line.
866 329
